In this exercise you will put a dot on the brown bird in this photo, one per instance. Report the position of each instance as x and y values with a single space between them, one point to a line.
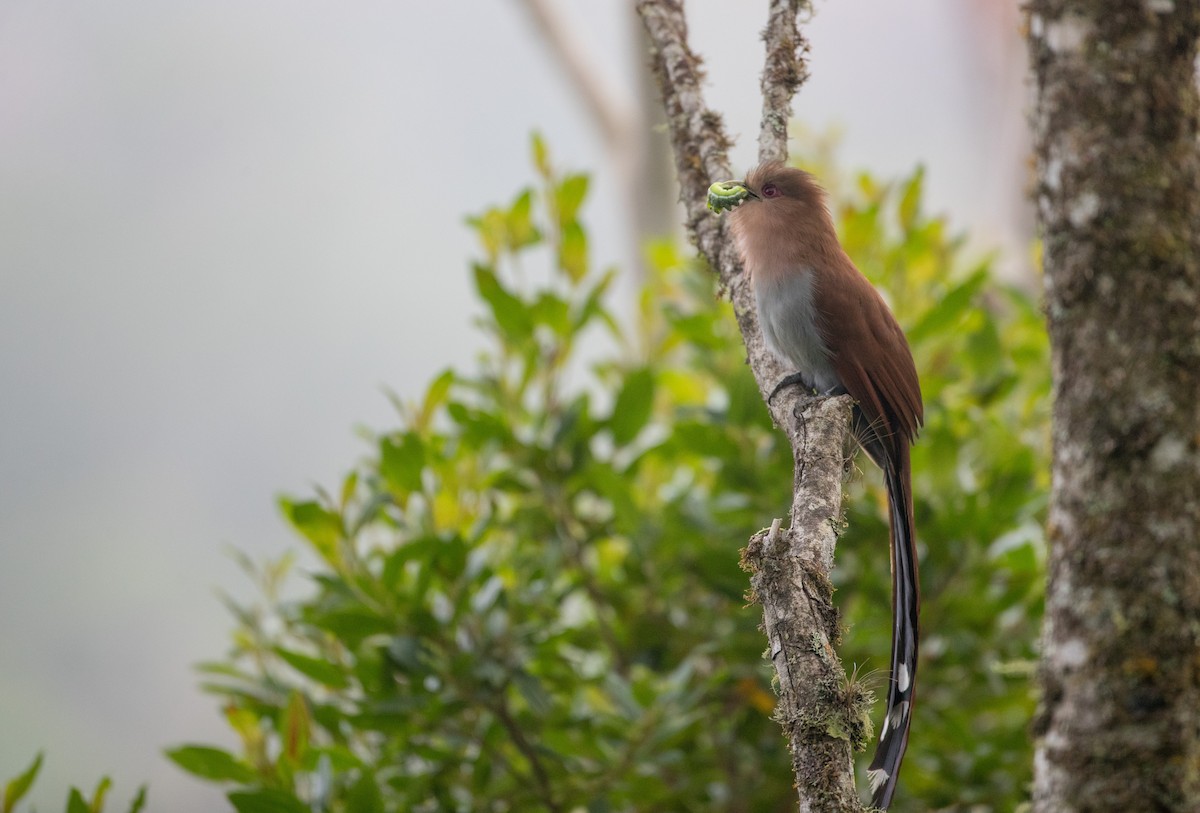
820 315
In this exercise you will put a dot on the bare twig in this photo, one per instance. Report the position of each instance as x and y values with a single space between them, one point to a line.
614 116
790 569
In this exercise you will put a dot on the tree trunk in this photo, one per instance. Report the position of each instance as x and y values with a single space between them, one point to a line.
1118 196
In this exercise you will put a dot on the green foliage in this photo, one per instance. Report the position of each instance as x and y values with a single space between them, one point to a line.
528 597
17 787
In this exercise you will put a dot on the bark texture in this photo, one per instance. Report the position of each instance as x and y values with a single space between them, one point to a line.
1118 196
823 716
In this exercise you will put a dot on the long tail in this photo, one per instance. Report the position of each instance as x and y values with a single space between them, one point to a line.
892 455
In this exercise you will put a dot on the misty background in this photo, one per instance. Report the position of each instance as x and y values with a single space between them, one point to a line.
228 228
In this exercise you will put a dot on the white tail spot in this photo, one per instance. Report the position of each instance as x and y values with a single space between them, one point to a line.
902 677
876 777
896 718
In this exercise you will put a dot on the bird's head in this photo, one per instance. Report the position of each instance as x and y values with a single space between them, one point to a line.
778 217
774 184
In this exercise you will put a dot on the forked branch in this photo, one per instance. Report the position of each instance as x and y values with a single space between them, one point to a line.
789 568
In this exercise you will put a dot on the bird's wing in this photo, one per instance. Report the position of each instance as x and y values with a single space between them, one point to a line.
870 354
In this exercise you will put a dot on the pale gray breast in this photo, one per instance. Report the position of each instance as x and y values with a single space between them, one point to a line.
788 316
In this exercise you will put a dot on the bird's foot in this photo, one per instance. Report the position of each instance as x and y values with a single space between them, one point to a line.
790 381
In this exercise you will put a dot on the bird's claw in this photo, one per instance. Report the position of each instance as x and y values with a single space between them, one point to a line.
788 381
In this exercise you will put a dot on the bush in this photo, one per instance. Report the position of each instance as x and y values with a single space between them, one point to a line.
528 597
16 788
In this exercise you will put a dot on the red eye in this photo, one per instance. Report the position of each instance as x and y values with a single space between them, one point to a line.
770 190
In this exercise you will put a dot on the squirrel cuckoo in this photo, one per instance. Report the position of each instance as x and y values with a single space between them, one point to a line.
820 315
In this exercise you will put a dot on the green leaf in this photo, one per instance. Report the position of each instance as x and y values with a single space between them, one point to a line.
985 348
478 426
745 402
575 424
569 197
19 785
139 801
435 396
910 200
663 254
573 252
319 670
76 803
296 727
950 307
341 758
633 406
704 438
593 305
405 651
697 329
351 625
211 763
102 788
266 800
401 462
491 228
519 224
509 312
534 693
622 693
541 156
317 524
554 312
364 795
349 487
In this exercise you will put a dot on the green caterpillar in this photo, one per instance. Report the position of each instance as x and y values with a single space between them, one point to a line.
726 195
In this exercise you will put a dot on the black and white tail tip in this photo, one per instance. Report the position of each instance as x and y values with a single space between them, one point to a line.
893 739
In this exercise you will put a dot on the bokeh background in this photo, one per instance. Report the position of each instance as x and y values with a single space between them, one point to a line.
227 229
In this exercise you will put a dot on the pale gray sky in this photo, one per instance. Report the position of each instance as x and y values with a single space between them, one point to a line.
212 262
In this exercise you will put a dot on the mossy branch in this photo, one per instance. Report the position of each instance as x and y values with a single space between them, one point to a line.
789 568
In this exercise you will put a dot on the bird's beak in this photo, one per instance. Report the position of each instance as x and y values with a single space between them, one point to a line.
728 195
